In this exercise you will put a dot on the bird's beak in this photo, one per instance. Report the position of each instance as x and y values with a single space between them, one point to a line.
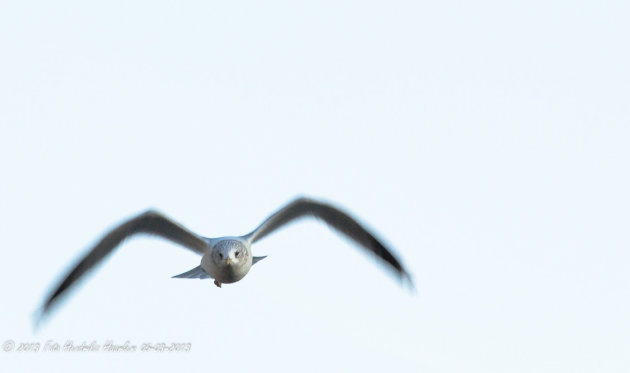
227 261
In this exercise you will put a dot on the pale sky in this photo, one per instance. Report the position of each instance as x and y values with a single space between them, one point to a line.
486 142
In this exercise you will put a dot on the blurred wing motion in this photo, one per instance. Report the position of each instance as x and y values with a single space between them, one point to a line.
335 218
150 222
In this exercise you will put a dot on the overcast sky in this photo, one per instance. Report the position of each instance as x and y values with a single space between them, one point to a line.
486 142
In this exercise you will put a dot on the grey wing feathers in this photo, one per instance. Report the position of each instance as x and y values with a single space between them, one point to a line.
334 217
150 222
257 259
196 272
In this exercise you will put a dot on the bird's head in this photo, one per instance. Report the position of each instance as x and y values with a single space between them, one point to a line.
229 252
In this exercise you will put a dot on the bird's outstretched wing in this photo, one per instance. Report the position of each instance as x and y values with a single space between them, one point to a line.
335 218
196 272
150 222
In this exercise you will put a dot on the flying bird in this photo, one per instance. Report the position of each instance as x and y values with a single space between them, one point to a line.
225 259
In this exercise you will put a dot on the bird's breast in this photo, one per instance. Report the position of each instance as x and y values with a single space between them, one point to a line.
225 273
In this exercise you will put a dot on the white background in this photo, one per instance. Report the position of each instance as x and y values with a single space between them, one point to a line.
486 142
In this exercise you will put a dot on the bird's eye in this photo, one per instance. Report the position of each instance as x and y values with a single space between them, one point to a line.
221 255
236 254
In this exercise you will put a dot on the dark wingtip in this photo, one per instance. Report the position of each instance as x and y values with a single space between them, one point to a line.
408 281
42 313
40 316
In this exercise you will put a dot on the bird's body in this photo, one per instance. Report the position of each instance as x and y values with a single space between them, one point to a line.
228 260
225 259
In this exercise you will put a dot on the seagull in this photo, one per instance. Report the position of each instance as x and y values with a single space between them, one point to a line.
226 259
